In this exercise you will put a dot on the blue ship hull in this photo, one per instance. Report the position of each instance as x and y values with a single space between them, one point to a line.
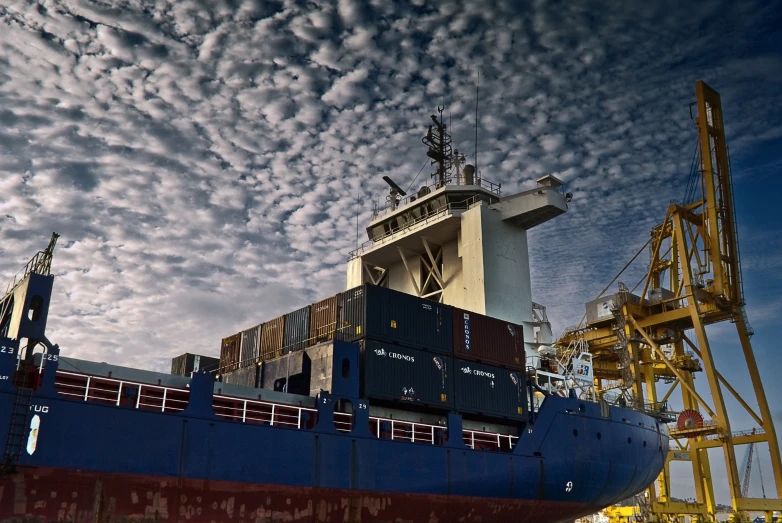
94 462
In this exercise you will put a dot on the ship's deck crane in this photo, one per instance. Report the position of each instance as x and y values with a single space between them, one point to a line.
40 263
693 280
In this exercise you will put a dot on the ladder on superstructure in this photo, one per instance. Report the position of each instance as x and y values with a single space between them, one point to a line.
19 422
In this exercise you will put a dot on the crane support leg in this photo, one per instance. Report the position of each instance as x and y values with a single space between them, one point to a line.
765 412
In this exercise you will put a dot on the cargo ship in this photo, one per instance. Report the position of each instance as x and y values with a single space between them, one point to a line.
428 391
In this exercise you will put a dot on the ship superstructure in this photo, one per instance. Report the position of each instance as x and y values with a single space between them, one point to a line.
459 241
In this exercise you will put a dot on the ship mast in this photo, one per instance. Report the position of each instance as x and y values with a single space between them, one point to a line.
439 143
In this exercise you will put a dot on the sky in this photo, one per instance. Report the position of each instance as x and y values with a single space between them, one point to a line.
202 159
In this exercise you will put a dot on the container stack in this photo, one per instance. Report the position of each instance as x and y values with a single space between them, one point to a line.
490 362
414 351
405 346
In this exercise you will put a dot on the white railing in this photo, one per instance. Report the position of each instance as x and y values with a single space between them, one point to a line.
96 389
471 437
172 399
383 207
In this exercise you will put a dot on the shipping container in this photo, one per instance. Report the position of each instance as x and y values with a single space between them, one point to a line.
179 365
289 373
297 330
271 341
205 364
489 340
488 391
188 363
229 353
251 346
323 321
405 375
245 376
378 313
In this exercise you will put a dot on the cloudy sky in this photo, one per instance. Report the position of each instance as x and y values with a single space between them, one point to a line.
201 159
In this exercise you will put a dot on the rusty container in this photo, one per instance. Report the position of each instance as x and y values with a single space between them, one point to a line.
488 340
229 353
323 320
271 341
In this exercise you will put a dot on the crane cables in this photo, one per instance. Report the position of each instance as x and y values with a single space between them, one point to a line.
693 177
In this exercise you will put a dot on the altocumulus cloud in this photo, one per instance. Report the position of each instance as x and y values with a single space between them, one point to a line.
201 160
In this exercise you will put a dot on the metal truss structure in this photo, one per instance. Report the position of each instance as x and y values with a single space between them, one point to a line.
659 337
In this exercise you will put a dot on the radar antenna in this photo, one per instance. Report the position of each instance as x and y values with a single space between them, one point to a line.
395 192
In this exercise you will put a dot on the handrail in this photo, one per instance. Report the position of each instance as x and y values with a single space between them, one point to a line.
494 188
174 399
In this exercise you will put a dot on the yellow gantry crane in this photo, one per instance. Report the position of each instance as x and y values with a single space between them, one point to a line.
659 335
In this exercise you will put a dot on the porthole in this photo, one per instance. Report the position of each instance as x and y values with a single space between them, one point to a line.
599 436
644 444
629 441
575 432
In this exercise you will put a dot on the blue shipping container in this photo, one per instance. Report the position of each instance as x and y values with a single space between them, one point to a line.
383 314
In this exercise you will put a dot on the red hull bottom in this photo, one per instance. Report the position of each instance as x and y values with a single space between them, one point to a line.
45 494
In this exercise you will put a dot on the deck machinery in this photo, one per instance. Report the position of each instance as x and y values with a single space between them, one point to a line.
659 335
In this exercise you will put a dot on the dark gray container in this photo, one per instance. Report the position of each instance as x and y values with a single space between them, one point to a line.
378 313
406 375
245 376
321 367
297 330
489 392
251 346
188 363
289 373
